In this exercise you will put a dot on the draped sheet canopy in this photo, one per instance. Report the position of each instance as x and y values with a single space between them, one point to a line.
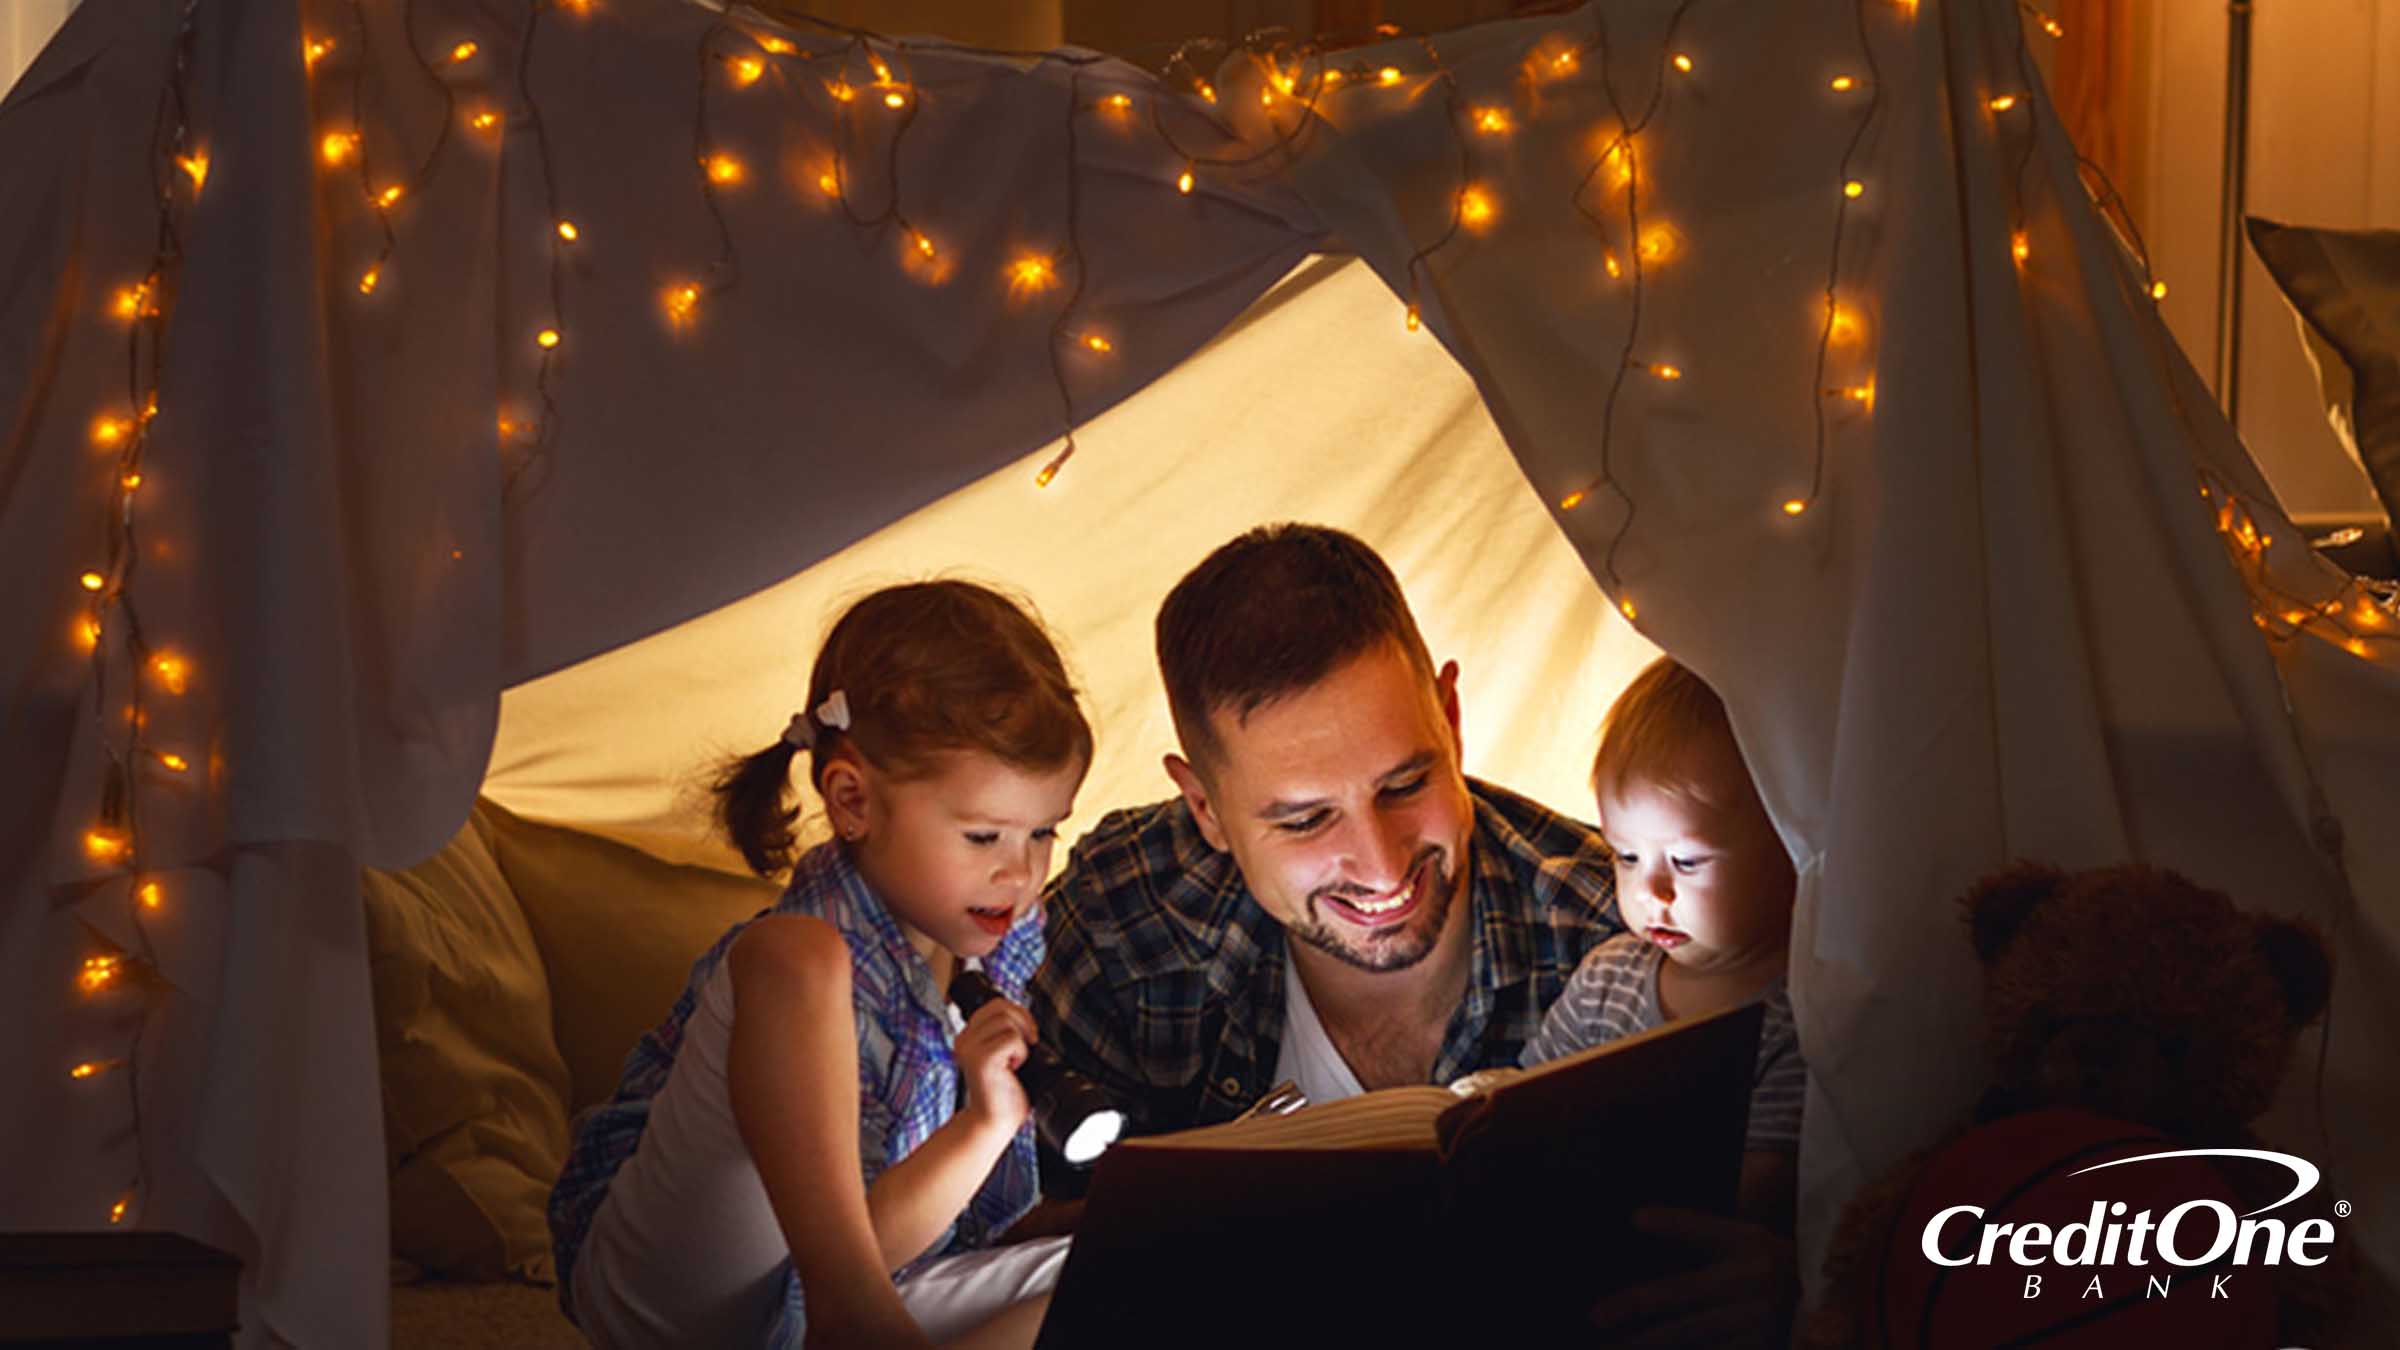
321 432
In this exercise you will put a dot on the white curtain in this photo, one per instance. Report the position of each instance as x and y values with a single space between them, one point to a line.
2004 623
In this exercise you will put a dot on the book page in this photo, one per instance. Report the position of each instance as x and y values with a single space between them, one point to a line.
1393 1118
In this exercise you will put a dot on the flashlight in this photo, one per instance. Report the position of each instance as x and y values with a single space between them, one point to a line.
1070 1112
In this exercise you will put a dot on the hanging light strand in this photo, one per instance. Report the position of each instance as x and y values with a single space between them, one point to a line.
1872 106
562 235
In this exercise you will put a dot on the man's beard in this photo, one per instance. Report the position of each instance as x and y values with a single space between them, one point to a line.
1391 949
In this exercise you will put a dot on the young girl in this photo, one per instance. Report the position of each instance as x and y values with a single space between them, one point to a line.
785 1155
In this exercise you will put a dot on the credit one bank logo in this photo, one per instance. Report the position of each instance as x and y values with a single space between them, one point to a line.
2195 1233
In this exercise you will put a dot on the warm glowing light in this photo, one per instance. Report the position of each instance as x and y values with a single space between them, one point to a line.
1266 98
1117 103
464 51
1625 607
1475 208
110 430
1049 473
1660 243
1794 507
390 195
2355 646
195 167
367 280
2004 103
2053 27
583 8
130 301
2019 247
2158 290
1388 75
1683 63
116 1212
129 480
173 763
883 73
1412 320
922 241
1843 324
723 169
893 98
99 972
338 146
682 303
1492 121
1843 84
93 581
1095 342
150 895
106 846
841 90
746 70
1608 261
1666 372
313 51
1564 61
1572 500
1208 91
830 183
777 45
568 232
87 632
484 120
546 339
1183 182
172 671
1854 188
1029 274
93 1068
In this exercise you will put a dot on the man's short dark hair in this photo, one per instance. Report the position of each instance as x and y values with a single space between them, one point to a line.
1268 614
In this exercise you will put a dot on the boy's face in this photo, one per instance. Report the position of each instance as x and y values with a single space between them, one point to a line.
1700 872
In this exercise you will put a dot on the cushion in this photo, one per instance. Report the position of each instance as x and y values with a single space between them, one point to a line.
474 1090
2345 287
618 931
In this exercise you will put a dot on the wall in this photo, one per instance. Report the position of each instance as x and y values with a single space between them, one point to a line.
24 26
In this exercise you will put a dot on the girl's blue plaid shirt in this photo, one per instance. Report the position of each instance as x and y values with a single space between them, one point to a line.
907 1081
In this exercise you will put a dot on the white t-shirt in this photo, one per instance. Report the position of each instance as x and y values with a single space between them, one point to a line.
1308 1058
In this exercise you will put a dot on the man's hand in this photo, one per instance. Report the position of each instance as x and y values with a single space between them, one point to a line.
1740 1291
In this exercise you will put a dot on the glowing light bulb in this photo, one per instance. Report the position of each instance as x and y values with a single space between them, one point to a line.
93 1068
2053 27
924 244
2019 247
2004 103
1854 188
313 51
894 98
93 581
368 279
173 763
1794 507
1208 91
116 1212
723 169
1683 63
1564 61
1492 121
338 146
99 972
87 632
1625 607
484 120
1572 500
109 431
746 70
1475 208
546 339
390 195
1030 273
1843 84
464 51
1183 182
1608 262
1843 324
2158 290
1266 98
1388 75
195 167
1097 343
1049 473
151 895
841 90
883 73
1117 103
129 480
682 303
1666 372
130 301
172 671
777 45
830 183
568 232
106 845
1412 320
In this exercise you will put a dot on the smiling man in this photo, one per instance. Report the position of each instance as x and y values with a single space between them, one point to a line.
1329 900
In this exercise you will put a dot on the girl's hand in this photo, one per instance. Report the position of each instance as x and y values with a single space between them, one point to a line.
996 1040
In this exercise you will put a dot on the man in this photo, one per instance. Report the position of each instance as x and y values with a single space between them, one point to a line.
1330 900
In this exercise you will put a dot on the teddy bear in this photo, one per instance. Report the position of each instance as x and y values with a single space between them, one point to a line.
2128 1014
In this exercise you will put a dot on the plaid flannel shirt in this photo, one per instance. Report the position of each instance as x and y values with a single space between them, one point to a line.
1164 982
908 1082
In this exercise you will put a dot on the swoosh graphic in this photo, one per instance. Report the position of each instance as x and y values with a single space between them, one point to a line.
2302 1168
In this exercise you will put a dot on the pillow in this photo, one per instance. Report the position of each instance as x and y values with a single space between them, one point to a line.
618 932
474 1090
2344 285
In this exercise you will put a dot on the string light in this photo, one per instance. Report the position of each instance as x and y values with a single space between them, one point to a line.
1117 103
87 633
1854 188
1609 263
368 279
2019 247
546 339
830 183
1625 607
105 845
131 301
1476 209
1666 372
338 146
924 244
723 169
1412 320
776 45
195 167
2004 103
172 671
1843 84
173 763
1183 181
568 232
129 480
151 894
894 98
1844 324
484 120
2158 290
93 581
99 972
1683 63
390 196
1208 91
1572 500
1492 121
1030 274
746 70
1096 343
108 431
116 1212
463 52
93 1068
1388 75
682 303
314 50
1794 507
841 90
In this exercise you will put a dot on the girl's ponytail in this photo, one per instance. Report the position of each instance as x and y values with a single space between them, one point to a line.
753 804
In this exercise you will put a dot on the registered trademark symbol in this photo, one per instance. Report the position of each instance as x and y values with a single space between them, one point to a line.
2341 1209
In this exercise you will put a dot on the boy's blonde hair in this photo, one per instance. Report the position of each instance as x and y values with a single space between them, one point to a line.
1652 728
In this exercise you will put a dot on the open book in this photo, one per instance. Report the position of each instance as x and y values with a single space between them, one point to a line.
1412 1212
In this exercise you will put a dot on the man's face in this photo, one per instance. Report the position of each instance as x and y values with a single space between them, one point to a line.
1345 807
